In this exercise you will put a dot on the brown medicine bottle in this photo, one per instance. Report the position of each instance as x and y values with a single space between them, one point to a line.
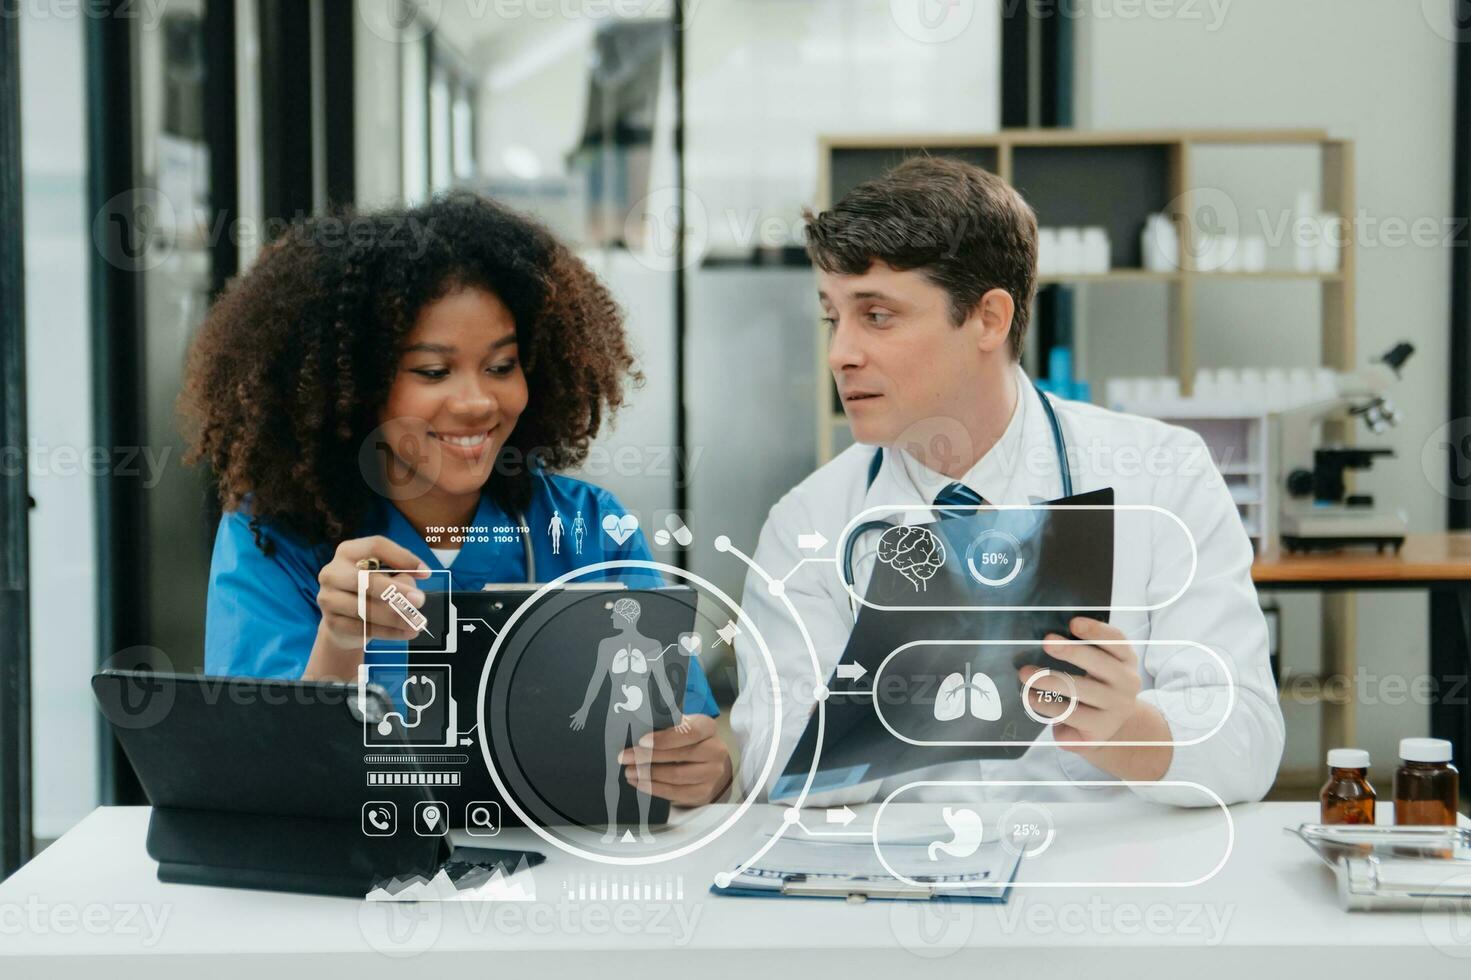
1426 785
1347 797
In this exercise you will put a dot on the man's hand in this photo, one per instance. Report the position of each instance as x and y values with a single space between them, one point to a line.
690 767
1107 702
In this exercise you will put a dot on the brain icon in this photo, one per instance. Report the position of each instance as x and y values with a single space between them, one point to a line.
914 552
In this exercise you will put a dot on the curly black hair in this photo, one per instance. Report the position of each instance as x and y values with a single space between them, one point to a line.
288 374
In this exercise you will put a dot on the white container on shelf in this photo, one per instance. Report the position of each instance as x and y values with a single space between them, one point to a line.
1207 384
1231 254
1218 253
1047 249
1206 252
1305 232
1274 380
1253 387
1228 386
1325 384
1160 243
1254 253
1069 250
1299 387
1097 252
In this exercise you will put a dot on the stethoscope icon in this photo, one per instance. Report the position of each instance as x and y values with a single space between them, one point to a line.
385 727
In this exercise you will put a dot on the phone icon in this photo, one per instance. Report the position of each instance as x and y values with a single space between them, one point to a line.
380 818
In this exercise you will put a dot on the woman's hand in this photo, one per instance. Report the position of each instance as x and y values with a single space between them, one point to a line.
690 767
338 651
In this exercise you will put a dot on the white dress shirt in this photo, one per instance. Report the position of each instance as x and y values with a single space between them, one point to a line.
1231 748
991 475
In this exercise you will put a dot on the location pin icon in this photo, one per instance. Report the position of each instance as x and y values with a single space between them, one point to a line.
431 816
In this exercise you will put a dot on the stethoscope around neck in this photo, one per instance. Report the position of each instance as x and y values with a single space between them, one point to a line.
1058 441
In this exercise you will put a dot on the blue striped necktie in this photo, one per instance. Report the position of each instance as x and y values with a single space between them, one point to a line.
957 495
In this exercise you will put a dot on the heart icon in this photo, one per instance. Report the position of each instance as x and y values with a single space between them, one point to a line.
620 529
690 643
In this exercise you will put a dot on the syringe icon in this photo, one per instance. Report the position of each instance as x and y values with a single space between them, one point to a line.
400 604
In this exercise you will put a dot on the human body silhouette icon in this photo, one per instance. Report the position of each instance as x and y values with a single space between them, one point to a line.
629 658
555 530
579 530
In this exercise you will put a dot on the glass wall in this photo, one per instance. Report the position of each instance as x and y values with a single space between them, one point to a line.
176 280
159 233
766 79
62 456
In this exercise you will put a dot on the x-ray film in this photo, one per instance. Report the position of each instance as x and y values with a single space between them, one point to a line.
929 691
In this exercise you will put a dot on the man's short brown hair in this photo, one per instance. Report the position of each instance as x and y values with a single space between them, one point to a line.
965 229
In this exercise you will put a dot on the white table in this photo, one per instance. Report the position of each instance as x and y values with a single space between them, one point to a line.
82 909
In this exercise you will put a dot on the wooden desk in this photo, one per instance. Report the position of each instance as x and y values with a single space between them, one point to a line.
1425 560
1438 564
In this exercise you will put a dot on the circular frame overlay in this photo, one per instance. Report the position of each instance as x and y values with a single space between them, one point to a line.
508 629
1043 719
1005 538
1044 819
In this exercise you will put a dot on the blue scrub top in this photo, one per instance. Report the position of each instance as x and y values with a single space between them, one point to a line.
262 615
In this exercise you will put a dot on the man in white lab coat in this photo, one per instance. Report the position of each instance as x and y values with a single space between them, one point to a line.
925 278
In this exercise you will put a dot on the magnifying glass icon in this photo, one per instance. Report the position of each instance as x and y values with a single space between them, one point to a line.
483 819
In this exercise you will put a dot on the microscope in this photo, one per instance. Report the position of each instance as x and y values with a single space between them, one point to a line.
1318 511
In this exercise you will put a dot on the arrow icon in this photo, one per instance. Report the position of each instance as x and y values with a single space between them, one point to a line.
841 817
468 627
851 672
811 542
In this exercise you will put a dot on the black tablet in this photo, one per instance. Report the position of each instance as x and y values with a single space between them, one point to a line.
259 783
542 675
580 676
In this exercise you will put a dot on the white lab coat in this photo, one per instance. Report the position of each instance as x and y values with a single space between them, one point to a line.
1146 462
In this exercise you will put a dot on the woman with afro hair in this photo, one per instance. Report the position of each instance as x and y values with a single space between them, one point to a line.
400 388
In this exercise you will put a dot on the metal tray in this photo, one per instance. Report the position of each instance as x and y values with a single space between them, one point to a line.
1334 842
1388 867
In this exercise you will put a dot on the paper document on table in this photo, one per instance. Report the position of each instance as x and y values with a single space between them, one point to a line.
795 865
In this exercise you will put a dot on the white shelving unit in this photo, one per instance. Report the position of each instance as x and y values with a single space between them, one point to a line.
1240 446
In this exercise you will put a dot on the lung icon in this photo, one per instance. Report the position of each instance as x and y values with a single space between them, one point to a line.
973 692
